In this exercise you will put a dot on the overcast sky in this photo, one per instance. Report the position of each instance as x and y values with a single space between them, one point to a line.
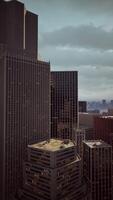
78 35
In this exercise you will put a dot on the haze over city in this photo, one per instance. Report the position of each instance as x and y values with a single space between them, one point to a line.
77 35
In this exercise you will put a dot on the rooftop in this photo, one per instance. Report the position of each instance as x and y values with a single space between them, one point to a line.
96 143
52 145
107 117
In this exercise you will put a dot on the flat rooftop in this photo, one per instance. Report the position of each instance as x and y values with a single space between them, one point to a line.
96 143
107 117
52 145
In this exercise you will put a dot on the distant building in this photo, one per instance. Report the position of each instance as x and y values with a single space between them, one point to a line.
96 111
111 103
110 112
82 106
64 104
87 119
53 172
97 166
103 102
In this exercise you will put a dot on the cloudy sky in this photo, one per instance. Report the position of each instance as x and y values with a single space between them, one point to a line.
78 35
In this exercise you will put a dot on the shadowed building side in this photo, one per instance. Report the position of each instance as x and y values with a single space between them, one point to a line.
31 36
18 28
64 103
24 114
12 24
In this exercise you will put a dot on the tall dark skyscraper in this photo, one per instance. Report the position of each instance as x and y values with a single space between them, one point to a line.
24 99
18 28
64 103
31 36
97 167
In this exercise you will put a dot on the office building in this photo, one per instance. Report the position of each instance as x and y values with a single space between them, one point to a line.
64 103
31 33
53 172
87 119
110 112
79 138
82 106
18 28
97 169
24 102
103 127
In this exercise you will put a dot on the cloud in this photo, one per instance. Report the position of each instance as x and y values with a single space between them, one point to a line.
95 70
83 36
95 83
70 57
96 6
92 6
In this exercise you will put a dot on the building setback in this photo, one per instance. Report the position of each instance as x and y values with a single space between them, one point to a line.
64 103
52 172
97 169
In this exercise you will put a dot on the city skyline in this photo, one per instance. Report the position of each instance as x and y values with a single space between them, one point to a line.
48 142
77 35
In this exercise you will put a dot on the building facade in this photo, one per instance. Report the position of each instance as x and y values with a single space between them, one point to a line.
82 106
18 28
25 95
24 114
53 172
79 138
64 103
97 169
103 128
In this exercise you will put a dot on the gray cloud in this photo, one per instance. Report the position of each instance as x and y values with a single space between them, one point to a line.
85 36
96 6
72 46
95 82
95 70
73 57
92 6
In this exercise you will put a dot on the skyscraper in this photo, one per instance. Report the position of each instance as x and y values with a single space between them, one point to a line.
24 101
64 103
53 172
31 36
97 167
18 28
103 127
